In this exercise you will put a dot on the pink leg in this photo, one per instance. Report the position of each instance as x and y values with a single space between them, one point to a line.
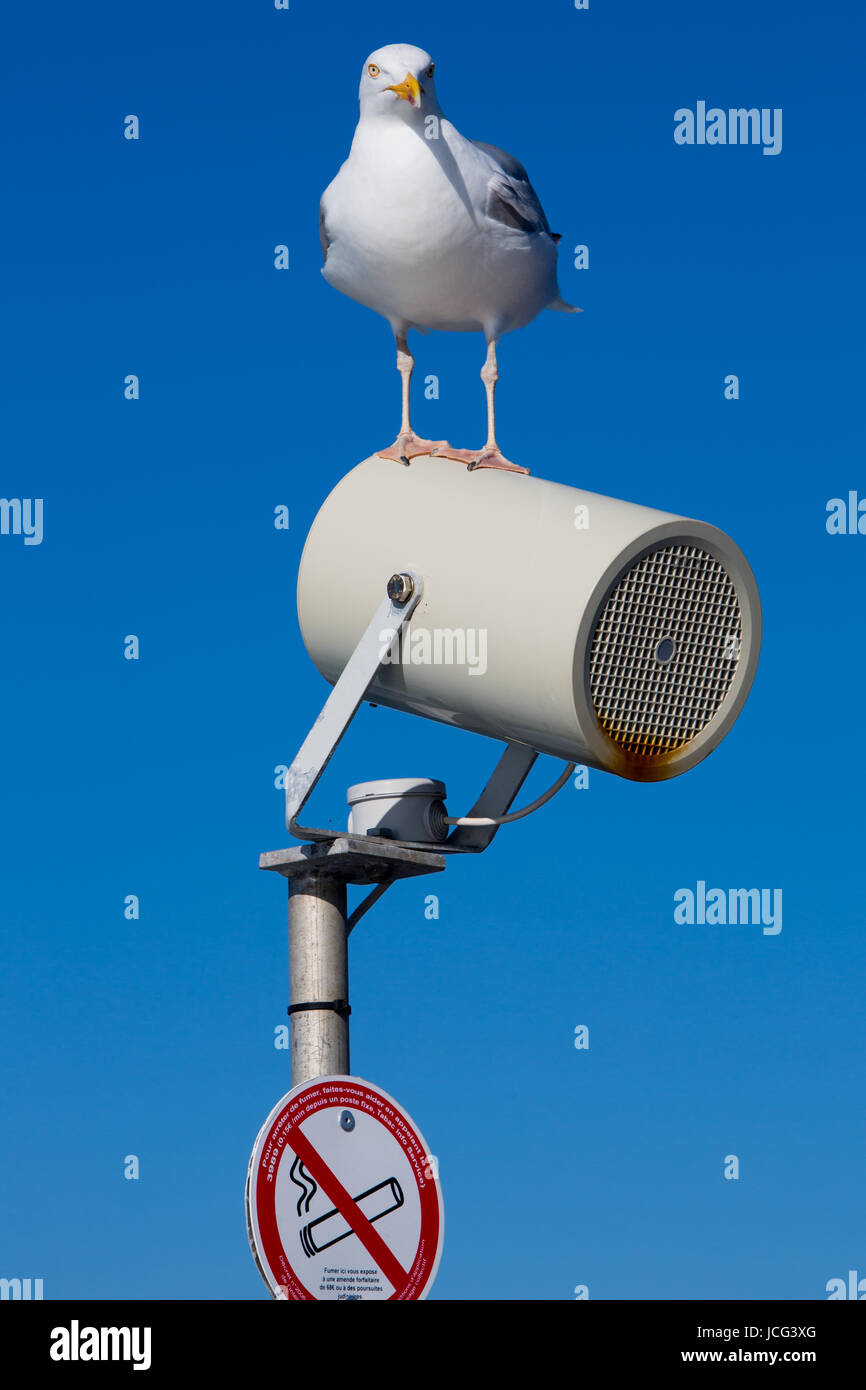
408 444
490 456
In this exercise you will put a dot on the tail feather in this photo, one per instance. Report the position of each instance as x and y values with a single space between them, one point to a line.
560 305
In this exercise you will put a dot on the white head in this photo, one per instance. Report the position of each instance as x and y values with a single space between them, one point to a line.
397 81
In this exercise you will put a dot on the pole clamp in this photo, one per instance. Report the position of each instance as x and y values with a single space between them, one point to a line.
339 1006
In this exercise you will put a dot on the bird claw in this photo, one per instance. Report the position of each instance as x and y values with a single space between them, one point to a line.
409 446
483 458
492 458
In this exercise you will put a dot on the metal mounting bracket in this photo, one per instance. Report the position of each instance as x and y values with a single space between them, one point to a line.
404 591
502 787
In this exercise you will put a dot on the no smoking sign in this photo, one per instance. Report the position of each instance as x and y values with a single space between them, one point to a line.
343 1198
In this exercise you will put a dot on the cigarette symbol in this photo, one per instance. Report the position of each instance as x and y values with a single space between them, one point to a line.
375 1203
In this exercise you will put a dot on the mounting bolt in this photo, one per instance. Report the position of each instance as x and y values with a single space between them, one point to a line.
401 587
347 1121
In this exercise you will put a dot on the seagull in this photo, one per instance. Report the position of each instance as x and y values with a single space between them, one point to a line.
435 232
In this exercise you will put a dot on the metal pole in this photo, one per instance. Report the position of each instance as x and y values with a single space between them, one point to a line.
318 973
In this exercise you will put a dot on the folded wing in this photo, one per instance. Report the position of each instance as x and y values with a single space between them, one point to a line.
511 199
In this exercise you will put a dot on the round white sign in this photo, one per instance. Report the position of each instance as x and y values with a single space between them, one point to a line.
343 1198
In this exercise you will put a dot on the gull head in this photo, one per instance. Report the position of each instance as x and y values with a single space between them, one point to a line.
397 81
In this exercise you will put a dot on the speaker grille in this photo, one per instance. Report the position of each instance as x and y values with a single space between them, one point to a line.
665 651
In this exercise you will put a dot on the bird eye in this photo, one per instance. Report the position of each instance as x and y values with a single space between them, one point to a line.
373 70
429 72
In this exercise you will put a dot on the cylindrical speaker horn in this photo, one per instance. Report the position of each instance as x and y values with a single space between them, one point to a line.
607 633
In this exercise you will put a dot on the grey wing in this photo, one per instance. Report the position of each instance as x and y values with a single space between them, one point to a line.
324 238
511 199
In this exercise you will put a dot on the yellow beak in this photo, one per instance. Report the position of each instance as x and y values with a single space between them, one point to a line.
408 90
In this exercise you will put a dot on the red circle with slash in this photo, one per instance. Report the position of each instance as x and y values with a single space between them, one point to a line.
343 1196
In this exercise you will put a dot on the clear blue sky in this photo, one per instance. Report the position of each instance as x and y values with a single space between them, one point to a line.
155 778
